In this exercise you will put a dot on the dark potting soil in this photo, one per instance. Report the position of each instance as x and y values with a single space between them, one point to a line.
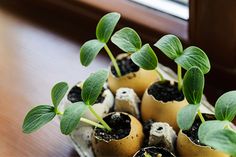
126 66
154 151
192 133
75 95
120 124
165 91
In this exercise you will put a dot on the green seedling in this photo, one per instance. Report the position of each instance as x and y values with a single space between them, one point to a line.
219 134
104 30
129 41
171 46
146 154
42 114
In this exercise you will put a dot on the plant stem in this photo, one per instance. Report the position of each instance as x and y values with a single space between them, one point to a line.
180 81
92 123
230 128
58 112
99 118
85 120
161 76
200 116
113 60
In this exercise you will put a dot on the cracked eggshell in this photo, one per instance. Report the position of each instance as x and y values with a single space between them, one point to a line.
138 81
125 147
161 111
186 148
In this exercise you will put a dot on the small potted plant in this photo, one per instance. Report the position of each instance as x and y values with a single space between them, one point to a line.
125 138
123 72
102 105
205 136
73 114
163 99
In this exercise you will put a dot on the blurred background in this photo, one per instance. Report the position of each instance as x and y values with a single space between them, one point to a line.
40 41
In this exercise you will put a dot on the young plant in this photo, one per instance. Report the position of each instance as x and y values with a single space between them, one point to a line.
218 133
42 114
146 154
221 133
193 86
104 30
171 46
129 41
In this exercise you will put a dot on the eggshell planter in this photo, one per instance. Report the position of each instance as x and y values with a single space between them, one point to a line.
124 147
82 136
154 151
161 111
101 108
138 80
186 148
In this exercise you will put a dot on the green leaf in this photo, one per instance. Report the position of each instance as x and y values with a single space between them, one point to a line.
58 92
89 51
222 140
38 117
194 56
71 117
127 40
193 85
213 134
186 116
209 126
225 108
145 58
92 87
170 45
106 26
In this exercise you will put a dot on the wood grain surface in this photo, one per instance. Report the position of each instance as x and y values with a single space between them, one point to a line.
32 59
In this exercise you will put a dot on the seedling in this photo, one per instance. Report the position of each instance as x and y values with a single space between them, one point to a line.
42 114
146 154
104 30
218 133
129 41
171 46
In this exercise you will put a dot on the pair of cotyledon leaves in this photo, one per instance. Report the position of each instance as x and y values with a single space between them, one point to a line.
211 132
42 114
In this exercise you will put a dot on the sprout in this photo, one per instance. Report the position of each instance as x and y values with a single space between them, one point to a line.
171 46
104 30
218 133
129 41
42 114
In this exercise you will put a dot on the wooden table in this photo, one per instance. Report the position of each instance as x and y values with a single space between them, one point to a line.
32 60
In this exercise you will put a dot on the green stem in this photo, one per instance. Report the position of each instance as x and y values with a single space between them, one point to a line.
92 123
113 60
180 81
230 128
58 112
85 120
161 76
200 116
99 118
